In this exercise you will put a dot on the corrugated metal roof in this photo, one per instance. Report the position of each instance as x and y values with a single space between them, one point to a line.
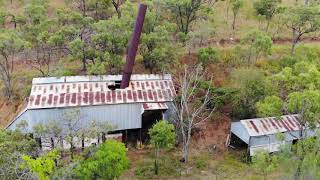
271 125
94 90
70 79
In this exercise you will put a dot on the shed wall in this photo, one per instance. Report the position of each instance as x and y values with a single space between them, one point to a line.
121 116
239 130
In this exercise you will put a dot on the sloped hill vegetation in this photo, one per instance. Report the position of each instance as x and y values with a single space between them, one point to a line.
256 59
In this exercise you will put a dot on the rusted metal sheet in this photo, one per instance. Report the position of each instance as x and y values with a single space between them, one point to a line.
271 125
95 90
154 106
272 147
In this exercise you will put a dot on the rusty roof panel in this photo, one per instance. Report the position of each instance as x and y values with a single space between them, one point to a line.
271 125
93 90
154 106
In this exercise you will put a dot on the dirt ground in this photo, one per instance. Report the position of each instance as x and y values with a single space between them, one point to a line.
213 134
8 110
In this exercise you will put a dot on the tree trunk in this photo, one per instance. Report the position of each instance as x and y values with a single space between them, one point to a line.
295 40
227 11
52 143
82 142
186 145
298 173
116 6
61 142
62 147
103 137
71 148
96 14
234 21
294 44
84 63
267 27
156 165
8 86
84 7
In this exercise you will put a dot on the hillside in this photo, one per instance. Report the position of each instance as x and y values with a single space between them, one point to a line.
229 60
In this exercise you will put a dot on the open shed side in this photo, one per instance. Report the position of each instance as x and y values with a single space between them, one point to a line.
263 133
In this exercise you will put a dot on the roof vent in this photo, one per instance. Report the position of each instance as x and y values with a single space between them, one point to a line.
115 86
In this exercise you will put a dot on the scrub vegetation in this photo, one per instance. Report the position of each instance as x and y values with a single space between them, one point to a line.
236 59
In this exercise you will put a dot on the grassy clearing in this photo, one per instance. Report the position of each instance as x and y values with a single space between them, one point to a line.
202 165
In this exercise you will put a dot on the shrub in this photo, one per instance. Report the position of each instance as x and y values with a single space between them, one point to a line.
98 68
169 166
202 161
252 87
229 56
162 136
208 55
108 162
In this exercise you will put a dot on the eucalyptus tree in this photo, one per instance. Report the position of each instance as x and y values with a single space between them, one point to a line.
301 20
11 44
117 6
111 38
157 46
252 87
190 110
267 8
186 12
74 35
236 6
14 18
299 94
37 29
254 44
303 75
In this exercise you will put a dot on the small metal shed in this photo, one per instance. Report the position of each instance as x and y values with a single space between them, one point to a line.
261 133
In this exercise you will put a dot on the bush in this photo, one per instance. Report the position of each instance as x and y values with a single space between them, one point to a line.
62 71
202 161
169 166
99 68
208 55
67 72
27 90
108 162
162 136
288 61
229 56
255 44
252 87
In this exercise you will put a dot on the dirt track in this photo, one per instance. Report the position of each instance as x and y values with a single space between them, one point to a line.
230 42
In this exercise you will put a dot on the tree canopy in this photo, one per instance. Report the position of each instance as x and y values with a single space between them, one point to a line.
108 162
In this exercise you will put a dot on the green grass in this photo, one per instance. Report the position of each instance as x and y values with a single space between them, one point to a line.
201 165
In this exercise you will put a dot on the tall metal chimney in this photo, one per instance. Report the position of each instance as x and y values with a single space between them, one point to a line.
133 47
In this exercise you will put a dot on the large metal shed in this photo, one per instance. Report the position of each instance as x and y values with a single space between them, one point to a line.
98 98
261 133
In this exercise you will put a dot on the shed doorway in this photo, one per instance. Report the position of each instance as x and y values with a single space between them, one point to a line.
149 118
